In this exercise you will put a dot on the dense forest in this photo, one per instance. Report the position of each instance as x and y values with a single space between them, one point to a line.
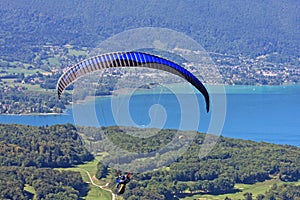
250 28
47 184
53 146
28 156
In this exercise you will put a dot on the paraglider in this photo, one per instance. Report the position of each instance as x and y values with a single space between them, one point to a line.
122 181
128 59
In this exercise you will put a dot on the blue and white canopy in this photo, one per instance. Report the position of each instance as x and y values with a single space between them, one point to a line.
128 59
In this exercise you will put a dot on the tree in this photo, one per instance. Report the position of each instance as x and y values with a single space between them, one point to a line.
248 196
181 187
101 170
260 197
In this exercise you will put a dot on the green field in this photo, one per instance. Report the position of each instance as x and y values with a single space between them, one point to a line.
255 189
94 192
31 87
73 52
26 72
29 189
54 61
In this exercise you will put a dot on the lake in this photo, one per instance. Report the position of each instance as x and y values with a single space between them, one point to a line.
259 113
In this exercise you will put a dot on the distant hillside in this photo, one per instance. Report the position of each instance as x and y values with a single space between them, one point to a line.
250 28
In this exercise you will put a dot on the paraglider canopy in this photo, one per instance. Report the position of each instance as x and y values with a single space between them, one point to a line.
128 59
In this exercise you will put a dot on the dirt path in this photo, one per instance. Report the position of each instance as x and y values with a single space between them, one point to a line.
100 186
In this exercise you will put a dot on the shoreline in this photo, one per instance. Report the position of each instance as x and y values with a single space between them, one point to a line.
217 89
33 114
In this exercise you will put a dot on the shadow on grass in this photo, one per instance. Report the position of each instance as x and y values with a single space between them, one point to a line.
84 190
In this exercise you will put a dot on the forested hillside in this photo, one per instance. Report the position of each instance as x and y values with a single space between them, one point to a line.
230 162
54 146
46 183
29 155
250 28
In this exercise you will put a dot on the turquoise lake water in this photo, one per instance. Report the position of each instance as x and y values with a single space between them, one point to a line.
259 113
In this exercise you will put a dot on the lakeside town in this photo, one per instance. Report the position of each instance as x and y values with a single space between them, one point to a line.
52 61
32 86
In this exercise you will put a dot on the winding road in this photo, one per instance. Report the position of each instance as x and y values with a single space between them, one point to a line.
101 187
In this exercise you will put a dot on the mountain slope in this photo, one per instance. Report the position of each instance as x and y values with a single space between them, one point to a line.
250 28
